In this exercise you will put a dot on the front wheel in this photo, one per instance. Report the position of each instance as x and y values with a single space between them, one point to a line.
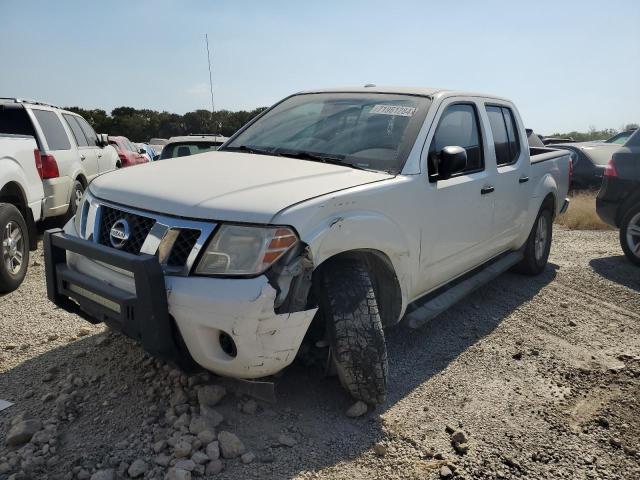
356 338
536 250
630 234
14 249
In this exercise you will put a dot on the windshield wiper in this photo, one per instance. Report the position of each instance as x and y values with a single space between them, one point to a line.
319 157
249 149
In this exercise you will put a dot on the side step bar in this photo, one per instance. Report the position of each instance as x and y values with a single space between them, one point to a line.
435 306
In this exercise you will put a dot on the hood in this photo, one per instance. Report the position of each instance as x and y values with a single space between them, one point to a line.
226 185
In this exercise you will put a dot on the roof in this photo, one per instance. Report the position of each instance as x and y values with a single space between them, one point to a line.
25 100
422 91
198 138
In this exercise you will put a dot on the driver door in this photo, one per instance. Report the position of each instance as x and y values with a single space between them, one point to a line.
456 226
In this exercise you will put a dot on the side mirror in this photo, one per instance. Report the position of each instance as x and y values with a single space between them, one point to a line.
451 160
103 140
142 151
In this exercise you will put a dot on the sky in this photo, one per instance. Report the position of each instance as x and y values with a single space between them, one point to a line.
568 65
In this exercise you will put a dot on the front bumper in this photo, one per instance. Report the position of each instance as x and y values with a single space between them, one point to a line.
131 293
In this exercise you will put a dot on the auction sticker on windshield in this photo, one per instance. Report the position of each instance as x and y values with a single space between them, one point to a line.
397 110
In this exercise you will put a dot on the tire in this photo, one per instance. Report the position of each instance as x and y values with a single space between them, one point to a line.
536 249
14 248
77 190
630 234
354 328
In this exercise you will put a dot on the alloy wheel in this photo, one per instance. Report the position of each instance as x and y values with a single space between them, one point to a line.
633 234
540 241
13 247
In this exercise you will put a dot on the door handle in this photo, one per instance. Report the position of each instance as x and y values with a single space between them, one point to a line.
99 154
487 189
82 157
523 179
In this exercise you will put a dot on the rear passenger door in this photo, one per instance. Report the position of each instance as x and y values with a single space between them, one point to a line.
93 151
456 225
88 159
512 184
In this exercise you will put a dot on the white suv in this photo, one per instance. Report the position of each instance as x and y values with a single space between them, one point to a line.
72 153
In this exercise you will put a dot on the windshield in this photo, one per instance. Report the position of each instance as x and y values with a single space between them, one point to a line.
363 130
184 149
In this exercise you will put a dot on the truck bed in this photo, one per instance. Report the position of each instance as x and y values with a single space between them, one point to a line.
540 154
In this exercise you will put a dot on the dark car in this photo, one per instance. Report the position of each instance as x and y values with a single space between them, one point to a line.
587 170
618 202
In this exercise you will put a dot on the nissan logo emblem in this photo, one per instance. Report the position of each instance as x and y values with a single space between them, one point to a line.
119 233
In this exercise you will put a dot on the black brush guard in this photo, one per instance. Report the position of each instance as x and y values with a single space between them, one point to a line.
143 315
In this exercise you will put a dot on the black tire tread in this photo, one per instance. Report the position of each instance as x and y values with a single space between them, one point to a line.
355 331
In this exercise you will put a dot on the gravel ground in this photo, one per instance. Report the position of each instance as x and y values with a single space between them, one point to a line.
527 378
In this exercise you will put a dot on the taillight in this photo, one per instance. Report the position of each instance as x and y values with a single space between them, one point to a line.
38 159
570 171
49 166
610 169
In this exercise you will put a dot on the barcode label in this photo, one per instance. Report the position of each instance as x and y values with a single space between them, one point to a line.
397 110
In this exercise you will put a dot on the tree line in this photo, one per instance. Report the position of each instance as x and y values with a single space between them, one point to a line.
594 134
141 125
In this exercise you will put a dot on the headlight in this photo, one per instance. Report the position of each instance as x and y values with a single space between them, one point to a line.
244 250
80 218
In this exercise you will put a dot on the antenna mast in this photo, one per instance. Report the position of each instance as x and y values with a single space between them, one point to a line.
206 38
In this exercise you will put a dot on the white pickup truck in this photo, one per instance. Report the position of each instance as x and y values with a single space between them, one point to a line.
47 158
330 217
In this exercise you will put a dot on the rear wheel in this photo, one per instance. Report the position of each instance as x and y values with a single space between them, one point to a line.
630 234
14 248
356 338
536 250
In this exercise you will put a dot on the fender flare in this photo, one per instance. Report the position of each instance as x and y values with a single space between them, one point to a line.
359 231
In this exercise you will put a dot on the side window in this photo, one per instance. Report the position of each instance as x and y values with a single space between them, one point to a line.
53 130
512 130
92 138
81 140
458 126
505 139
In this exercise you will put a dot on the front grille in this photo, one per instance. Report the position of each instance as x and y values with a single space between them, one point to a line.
139 228
185 242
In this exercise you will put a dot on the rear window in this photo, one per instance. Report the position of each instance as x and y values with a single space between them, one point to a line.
174 150
53 130
15 121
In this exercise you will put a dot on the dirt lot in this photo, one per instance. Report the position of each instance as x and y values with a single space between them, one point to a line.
542 374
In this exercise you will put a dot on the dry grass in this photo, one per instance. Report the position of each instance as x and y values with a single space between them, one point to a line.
581 214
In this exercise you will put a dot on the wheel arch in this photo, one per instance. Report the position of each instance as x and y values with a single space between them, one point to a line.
383 275
13 193
82 179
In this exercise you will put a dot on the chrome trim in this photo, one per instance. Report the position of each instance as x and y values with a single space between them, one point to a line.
162 236
154 239
165 247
